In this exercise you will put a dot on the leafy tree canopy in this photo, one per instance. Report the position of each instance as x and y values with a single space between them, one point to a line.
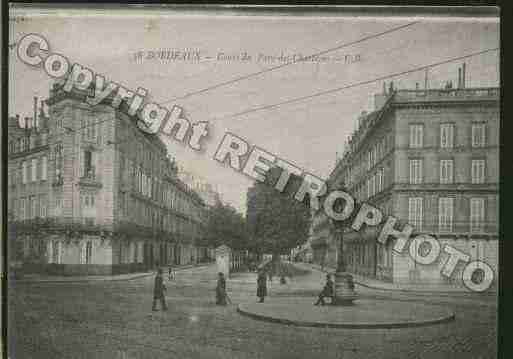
226 226
276 221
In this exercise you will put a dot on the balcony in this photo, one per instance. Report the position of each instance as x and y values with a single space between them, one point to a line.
448 95
58 180
90 178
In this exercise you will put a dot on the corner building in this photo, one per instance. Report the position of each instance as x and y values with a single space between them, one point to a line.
431 159
102 197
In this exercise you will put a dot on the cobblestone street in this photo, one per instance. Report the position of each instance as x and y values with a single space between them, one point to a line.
114 320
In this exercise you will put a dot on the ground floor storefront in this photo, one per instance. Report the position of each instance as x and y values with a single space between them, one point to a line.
367 257
94 254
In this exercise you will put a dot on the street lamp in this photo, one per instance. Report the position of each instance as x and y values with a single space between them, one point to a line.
344 285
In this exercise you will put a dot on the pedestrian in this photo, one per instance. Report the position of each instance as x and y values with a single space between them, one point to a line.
158 291
221 289
171 273
327 291
261 286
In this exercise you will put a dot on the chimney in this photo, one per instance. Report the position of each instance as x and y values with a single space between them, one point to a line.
463 77
36 122
18 120
361 118
416 85
391 87
459 78
27 123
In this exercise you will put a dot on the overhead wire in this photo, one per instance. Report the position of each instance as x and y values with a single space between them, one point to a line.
258 73
356 84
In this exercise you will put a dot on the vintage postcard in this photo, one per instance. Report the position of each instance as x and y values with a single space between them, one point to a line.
252 182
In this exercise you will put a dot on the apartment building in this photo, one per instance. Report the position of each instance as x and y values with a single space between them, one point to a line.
89 193
429 158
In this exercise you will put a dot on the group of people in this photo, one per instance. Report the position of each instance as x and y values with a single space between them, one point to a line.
222 298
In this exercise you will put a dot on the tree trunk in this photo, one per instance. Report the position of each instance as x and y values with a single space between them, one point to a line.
275 263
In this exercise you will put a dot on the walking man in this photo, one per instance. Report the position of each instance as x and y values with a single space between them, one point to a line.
261 286
158 291
221 290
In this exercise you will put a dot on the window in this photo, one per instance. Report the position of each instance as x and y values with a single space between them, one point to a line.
478 171
35 206
446 171
57 252
87 164
43 203
34 169
478 135
58 204
380 179
416 136
30 205
44 168
58 162
415 171
445 214
446 135
89 129
24 172
14 208
88 200
415 212
86 252
22 208
477 215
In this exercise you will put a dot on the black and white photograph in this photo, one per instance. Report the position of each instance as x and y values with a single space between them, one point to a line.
231 181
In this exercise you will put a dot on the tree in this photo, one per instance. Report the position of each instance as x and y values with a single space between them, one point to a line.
226 226
276 221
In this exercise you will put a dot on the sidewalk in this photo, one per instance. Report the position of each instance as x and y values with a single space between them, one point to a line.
399 287
39 278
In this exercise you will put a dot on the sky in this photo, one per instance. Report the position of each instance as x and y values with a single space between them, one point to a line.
308 133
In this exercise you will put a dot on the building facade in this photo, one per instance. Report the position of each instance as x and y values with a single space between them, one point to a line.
431 159
210 196
89 193
208 193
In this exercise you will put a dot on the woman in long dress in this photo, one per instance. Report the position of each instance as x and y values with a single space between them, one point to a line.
261 286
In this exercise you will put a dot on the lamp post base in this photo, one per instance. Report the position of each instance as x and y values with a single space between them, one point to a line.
344 289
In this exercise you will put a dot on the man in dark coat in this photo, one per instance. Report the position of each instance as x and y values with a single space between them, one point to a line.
261 286
221 290
327 291
158 291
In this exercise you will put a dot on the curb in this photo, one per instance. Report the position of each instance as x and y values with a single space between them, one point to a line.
86 281
417 291
391 325
413 291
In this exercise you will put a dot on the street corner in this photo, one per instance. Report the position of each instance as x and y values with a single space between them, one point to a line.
365 313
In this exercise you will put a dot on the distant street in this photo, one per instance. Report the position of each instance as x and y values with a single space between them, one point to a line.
114 320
